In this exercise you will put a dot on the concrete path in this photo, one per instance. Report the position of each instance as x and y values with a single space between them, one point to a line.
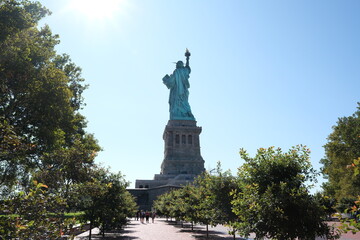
163 230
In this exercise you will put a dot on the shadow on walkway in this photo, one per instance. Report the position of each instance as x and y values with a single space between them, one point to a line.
113 235
163 230
199 232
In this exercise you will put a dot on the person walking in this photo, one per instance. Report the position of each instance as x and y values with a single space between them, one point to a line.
142 216
153 215
147 216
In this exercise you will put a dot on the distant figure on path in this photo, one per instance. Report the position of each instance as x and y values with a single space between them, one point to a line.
138 215
147 216
142 216
178 83
153 215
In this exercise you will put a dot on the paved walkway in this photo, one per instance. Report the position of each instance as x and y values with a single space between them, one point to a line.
163 230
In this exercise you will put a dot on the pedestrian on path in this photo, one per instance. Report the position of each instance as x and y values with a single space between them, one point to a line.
142 216
147 216
138 215
153 215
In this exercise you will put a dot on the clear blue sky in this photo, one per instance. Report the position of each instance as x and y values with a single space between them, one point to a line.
264 73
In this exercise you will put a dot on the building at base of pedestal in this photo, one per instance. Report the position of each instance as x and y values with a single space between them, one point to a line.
182 163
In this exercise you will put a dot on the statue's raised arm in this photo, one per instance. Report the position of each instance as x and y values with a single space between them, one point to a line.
187 55
178 83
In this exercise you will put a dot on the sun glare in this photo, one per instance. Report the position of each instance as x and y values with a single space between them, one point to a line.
96 9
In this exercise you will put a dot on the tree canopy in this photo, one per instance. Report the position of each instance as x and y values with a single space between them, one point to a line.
341 150
40 98
43 138
269 197
273 200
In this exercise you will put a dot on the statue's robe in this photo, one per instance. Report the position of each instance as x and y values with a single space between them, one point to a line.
178 83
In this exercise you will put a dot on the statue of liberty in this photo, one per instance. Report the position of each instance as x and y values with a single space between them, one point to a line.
178 83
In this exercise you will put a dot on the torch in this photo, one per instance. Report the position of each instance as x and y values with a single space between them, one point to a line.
187 55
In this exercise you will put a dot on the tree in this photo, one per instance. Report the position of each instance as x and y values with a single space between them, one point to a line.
88 198
117 203
14 18
163 204
274 201
342 148
42 133
221 185
214 201
207 200
191 200
352 206
178 204
183 203
40 98
37 214
106 202
12 150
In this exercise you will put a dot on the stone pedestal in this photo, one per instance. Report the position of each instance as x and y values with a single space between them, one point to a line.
181 164
182 148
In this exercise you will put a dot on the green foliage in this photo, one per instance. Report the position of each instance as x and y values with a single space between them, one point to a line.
19 15
12 150
349 222
43 137
221 186
205 213
17 22
37 214
178 203
105 201
351 206
342 148
274 201
345 204
327 203
40 99
65 166
191 199
269 197
206 201
42 134
341 168
214 206
165 204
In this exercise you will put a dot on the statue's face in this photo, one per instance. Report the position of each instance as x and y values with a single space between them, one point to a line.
179 64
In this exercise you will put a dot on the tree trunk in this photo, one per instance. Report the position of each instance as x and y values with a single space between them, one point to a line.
91 223
192 226
207 231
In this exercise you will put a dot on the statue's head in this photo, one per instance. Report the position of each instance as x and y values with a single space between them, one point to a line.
179 64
